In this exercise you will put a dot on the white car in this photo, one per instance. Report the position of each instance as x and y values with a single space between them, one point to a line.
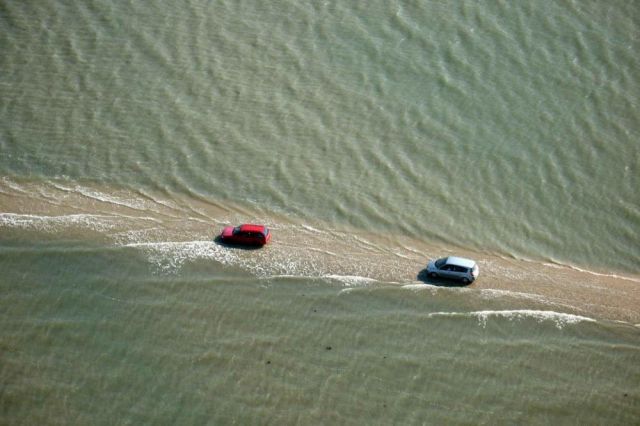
456 268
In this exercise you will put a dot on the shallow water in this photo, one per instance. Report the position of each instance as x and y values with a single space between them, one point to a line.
91 335
370 139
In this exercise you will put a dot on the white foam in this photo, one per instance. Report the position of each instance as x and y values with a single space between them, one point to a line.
560 319
492 293
95 222
417 286
131 203
366 244
55 223
327 252
414 251
351 280
402 256
11 184
166 203
560 265
597 274
132 236
170 256
312 229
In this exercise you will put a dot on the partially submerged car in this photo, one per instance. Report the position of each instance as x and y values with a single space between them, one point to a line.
452 267
246 234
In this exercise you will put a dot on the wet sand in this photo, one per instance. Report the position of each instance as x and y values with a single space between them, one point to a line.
174 229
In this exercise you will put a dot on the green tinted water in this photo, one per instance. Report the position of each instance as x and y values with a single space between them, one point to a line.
370 137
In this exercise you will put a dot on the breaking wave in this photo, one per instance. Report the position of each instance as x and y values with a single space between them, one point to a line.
558 318
57 223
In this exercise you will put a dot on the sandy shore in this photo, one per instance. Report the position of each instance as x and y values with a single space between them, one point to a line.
300 248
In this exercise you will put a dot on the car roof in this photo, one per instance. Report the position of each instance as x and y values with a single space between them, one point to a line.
460 261
249 227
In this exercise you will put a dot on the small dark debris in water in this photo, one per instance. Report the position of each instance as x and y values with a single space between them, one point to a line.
328 348
626 395
315 310
268 362
385 357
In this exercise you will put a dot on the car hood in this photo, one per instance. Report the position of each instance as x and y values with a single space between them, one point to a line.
431 266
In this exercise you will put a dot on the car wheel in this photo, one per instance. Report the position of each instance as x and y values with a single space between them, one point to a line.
465 281
433 275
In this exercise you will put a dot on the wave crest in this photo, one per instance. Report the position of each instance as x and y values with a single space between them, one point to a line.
558 318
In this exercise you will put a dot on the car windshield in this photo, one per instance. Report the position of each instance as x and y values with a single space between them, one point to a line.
441 262
236 230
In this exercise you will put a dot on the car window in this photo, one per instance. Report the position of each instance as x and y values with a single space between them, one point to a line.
440 262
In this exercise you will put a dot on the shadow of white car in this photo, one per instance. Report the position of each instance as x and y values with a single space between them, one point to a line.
454 268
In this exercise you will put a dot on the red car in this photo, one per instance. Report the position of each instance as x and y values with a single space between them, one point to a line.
246 234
